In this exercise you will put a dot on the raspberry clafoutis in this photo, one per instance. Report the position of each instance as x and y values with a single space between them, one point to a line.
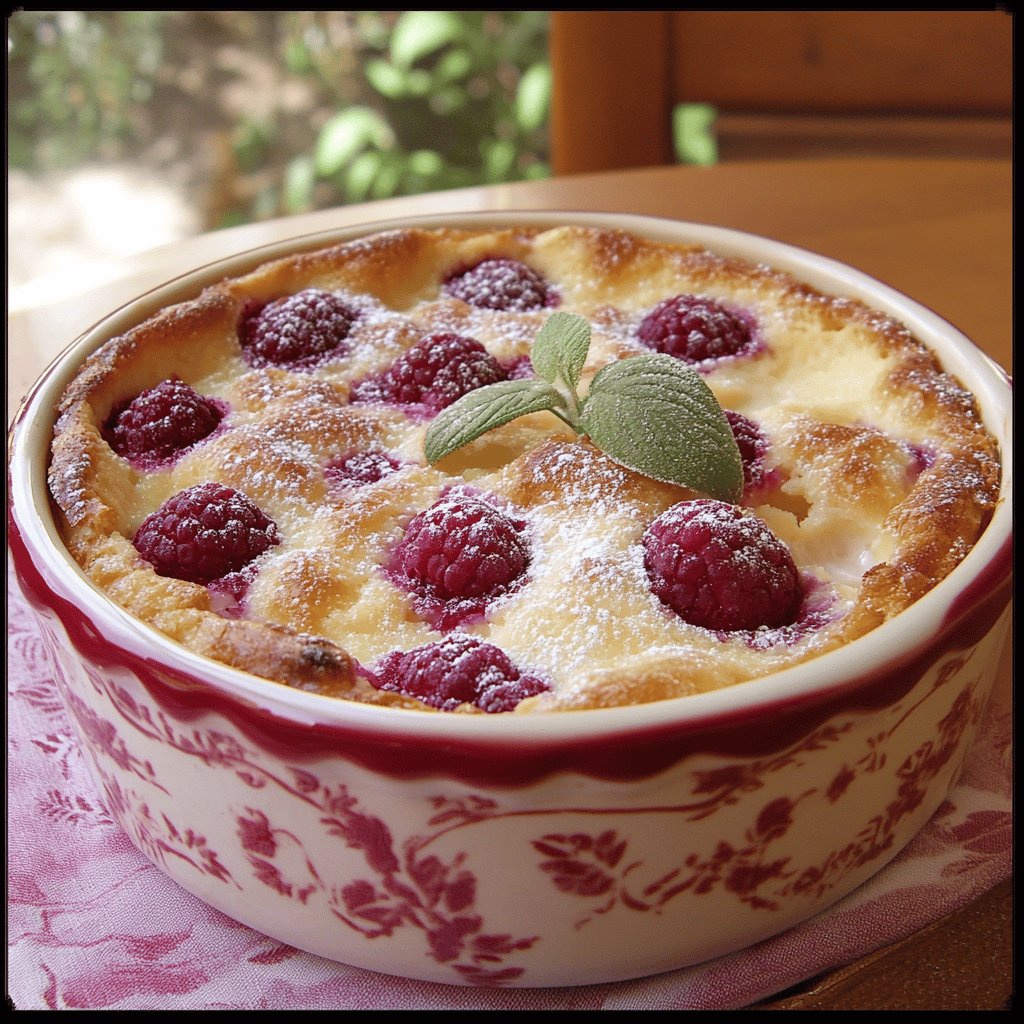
247 470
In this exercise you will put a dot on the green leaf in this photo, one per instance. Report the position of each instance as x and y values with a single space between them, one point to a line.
297 57
560 349
448 100
420 82
250 142
385 78
693 134
533 97
389 174
484 409
499 156
346 134
418 33
299 181
425 162
657 416
452 66
360 175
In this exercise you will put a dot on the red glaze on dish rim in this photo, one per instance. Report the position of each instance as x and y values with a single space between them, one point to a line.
624 743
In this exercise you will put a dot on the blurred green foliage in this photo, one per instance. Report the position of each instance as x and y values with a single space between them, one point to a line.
394 102
75 80
693 133
453 98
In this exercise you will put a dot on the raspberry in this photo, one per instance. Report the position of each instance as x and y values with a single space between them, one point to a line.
435 372
203 533
457 555
693 329
521 368
160 423
298 330
752 445
460 669
719 567
500 283
361 468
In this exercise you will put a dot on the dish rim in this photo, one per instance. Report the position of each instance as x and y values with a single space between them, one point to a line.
849 666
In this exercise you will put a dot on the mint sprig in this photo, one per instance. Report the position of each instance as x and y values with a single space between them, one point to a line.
560 349
485 408
650 413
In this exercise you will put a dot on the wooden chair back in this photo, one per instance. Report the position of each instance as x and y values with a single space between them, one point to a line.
902 81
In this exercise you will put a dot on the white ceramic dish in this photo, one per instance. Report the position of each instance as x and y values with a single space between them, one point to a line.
559 849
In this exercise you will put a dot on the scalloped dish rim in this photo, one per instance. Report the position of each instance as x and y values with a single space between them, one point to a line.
28 447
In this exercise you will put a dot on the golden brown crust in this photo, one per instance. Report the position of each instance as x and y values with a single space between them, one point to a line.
574 474
880 475
303 662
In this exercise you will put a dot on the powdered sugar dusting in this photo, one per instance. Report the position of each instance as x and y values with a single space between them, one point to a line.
500 283
569 600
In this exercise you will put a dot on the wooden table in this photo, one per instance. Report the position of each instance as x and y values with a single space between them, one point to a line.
938 230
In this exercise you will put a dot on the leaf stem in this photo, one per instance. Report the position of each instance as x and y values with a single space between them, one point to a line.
572 407
568 420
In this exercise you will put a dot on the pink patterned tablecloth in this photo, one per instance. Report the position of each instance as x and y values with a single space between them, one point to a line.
92 924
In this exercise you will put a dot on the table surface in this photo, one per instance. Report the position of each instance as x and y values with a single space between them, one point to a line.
938 230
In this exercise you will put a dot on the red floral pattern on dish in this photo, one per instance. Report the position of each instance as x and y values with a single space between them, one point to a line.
402 889
406 889
582 864
79 893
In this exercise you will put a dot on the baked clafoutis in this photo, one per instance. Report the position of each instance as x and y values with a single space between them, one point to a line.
424 469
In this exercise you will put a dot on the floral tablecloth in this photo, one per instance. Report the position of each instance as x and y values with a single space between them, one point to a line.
93 925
